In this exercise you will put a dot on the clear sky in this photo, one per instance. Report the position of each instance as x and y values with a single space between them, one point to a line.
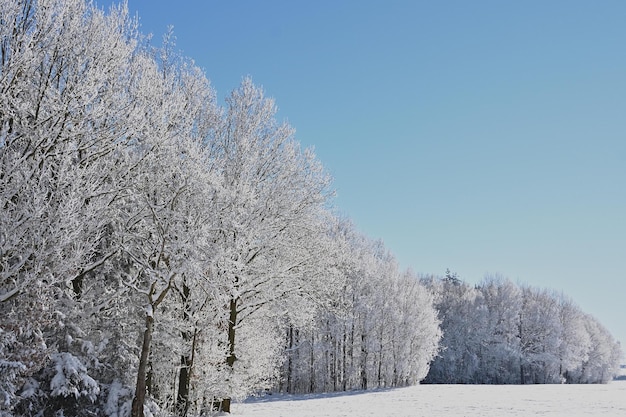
479 136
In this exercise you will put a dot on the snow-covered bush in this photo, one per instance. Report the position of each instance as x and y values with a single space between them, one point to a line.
118 401
63 387
9 371
23 349
71 378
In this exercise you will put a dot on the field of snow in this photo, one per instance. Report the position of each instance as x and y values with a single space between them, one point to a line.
448 400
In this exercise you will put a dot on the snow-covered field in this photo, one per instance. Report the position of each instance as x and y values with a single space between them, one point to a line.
449 400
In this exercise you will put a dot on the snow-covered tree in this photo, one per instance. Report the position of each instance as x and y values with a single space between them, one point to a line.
602 361
462 313
415 332
64 87
540 335
501 349
163 223
63 82
270 211
381 331
500 332
575 343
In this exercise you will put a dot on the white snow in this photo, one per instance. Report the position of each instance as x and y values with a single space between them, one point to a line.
448 400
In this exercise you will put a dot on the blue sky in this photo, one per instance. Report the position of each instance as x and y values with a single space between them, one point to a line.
483 136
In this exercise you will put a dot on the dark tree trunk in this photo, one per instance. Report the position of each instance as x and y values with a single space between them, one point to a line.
335 365
380 358
231 358
363 361
186 362
289 359
232 322
312 364
344 359
182 396
353 377
140 390
184 393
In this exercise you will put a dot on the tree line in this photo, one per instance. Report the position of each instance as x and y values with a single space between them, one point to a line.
161 254
499 332
157 247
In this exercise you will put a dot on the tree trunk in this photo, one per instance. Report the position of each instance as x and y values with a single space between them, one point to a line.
182 397
186 362
231 358
380 358
344 358
140 390
312 363
335 365
353 376
289 359
363 361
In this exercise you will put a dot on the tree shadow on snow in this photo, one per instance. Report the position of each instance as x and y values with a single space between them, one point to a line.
269 397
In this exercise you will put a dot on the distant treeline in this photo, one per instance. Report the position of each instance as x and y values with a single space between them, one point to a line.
498 332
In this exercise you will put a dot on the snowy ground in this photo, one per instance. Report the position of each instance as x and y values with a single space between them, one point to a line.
449 400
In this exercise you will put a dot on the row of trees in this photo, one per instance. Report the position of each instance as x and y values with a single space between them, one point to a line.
131 204
501 333
159 251
380 331
156 248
